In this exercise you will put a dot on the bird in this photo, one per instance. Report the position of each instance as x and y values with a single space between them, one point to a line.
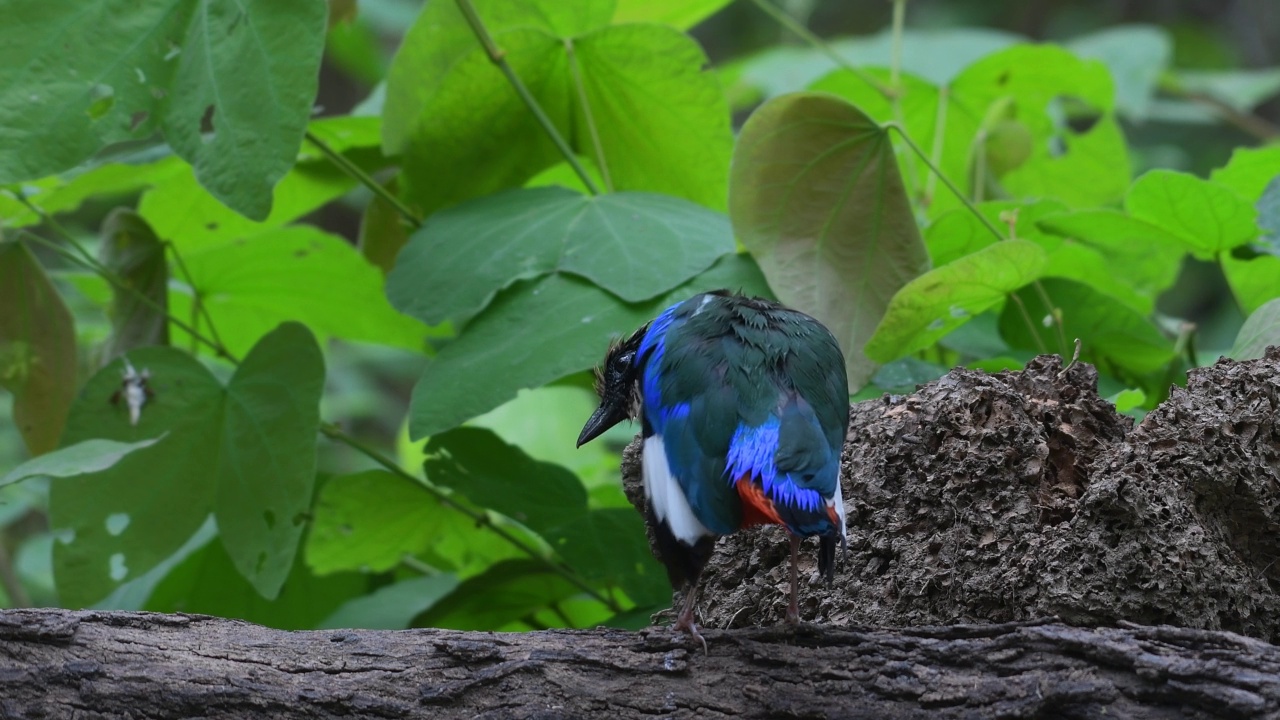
744 408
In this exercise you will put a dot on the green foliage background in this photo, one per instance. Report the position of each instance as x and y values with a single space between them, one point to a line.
368 334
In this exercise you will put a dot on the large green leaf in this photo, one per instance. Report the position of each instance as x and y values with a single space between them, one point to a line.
633 98
944 298
37 348
293 273
1254 280
208 582
370 521
505 348
816 197
230 84
505 593
245 452
493 474
66 192
1107 329
184 213
609 545
267 459
1249 171
1208 218
139 311
635 245
1260 331
1139 254
83 457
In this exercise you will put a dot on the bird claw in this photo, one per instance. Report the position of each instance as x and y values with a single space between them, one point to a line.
688 626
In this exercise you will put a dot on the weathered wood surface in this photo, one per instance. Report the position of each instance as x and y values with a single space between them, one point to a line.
88 664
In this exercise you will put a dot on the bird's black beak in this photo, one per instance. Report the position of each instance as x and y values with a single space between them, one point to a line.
605 417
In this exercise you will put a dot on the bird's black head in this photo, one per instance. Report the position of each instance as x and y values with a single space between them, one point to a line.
617 384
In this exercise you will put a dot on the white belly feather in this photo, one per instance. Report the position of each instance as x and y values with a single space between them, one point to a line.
664 492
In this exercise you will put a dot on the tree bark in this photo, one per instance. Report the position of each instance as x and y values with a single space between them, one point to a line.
89 664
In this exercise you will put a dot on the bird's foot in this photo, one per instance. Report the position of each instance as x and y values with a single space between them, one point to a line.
686 624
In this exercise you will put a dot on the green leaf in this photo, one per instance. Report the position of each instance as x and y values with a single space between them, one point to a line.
680 14
1127 400
505 593
944 298
267 462
132 251
83 457
37 349
1143 256
293 273
1136 55
1249 171
392 607
816 197
1253 281
369 521
635 245
610 546
1260 330
504 348
493 474
207 582
230 84
464 133
1107 329
245 452
67 192
184 213
1205 216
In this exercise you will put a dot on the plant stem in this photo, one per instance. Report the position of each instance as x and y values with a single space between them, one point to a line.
895 61
106 274
586 112
480 518
821 46
498 57
945 180
364 178
197 301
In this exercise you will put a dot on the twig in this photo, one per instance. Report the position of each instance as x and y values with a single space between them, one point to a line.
363 178
481 518
498 57
821 46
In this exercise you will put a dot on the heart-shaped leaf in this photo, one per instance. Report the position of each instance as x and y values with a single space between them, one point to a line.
816 197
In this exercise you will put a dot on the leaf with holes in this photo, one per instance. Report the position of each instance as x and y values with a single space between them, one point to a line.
635 245
245 452
37 348
816 197
230 85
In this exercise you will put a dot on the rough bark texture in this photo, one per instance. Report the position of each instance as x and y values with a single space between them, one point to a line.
994 498
986 500
86 664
